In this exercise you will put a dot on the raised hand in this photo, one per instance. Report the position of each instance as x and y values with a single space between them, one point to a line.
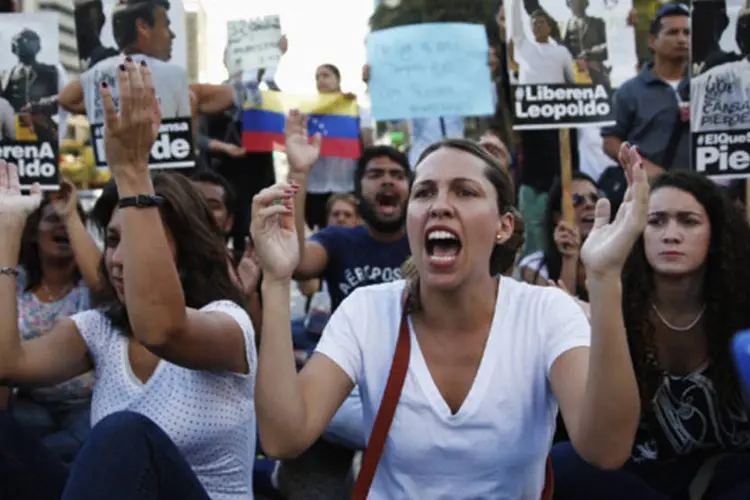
567 239
130 132
248 269
273 231
608 245
14 206
301 153
65 201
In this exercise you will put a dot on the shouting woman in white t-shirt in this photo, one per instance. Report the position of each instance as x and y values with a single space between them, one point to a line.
172 350
490 358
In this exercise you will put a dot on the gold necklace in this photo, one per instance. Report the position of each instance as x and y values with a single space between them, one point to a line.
679 328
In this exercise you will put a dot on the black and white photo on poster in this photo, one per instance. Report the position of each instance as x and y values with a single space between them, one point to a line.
29 87
95 35
146 31
563 63
720 93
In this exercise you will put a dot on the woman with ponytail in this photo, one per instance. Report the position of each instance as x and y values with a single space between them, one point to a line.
481 360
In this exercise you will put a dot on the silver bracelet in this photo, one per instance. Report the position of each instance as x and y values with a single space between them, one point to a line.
9 271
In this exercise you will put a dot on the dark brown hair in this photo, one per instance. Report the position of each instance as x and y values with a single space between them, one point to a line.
503 184
29 258
726 291
201 253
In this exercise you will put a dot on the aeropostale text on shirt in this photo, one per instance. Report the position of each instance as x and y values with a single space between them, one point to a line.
367 275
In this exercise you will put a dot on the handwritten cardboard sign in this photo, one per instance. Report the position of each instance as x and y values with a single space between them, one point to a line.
430 70
253 44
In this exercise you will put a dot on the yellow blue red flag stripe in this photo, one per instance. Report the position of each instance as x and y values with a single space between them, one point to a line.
334 116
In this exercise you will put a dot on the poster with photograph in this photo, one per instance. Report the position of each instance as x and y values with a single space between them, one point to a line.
163 50
720 90
29 56
254 45
96 38
565 59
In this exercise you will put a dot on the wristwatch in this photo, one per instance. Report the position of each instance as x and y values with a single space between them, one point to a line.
141 201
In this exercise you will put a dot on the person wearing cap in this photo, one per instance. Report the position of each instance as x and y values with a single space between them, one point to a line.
650 108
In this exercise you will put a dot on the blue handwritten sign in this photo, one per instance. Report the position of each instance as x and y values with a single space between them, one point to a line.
429 71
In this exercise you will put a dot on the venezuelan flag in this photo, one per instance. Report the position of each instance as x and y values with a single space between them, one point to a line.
333 116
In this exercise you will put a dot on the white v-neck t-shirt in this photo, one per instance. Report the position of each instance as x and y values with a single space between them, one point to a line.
210 416
496 445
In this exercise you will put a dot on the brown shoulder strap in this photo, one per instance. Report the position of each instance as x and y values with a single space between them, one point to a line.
387 409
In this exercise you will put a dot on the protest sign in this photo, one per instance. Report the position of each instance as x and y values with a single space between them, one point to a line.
29 60
173 147
95 34
561 66
429 70
720 94
253 45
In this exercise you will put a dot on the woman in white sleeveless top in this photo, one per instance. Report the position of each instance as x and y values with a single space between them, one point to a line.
490 358
172 350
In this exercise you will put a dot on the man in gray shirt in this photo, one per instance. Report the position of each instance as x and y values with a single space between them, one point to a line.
652 109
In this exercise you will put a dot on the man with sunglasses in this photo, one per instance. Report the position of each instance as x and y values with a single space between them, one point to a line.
652 109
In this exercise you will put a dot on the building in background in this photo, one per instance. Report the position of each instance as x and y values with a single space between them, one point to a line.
68 45
197 40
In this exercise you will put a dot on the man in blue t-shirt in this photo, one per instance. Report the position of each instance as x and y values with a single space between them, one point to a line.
350 257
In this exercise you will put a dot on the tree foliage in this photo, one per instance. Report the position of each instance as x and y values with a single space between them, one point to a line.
433 11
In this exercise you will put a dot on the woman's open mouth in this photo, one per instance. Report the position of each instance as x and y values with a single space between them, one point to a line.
442 246
61 239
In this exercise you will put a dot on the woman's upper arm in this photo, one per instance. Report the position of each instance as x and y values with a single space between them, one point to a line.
324 386
335 368
219 337
59 355
566 352
568 377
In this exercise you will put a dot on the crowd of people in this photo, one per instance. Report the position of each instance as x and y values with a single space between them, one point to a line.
457 336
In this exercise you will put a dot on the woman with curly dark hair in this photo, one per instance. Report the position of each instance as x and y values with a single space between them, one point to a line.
686 290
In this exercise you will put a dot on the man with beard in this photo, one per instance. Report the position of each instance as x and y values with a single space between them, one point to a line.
350 257
347 258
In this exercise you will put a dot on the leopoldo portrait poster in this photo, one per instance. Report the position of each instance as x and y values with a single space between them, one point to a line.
29 85
103 27
720 90
565 59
